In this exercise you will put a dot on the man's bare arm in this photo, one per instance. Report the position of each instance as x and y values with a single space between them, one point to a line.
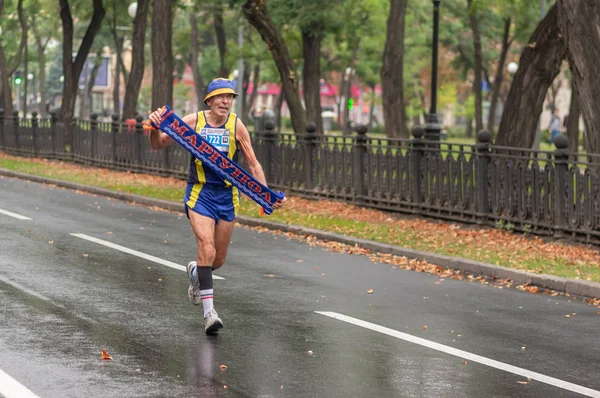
160 140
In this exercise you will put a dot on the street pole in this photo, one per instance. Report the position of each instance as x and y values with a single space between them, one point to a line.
432 125
240 87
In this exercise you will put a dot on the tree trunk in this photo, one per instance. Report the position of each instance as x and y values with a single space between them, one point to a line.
221 40
579 22
255 83
86 104
573 121
311 46
7 70
162 53
278 105
256 13
6 91
117 81
372 107
72 69
199 85
392 83
348 88
42 77
506 42
478 59
469 131
539 64
134 83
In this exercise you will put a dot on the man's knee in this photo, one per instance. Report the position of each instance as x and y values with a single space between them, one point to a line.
207 250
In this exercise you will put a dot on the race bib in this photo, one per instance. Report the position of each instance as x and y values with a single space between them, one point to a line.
219 138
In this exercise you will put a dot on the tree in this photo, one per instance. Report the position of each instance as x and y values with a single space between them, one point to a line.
43 28
136 75
8 66
539 64
199 84
392 83
256 13
72 68
478 63
579 24
162 54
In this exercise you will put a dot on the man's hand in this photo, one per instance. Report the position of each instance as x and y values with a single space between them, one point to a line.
155 116
280 203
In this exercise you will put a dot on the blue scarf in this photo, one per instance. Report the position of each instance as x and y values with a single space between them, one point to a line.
210 157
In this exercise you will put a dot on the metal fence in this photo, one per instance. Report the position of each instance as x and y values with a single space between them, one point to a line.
553 193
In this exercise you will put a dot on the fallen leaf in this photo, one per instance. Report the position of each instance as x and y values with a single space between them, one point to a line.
225 387
521 382
110 233
523 348
323 274
464 362
300 261
160 279
223 367
141 227
270 275
532 289
425 327
85 254
567 316
51 242
281 388
317 268
309 352
370 291
105 356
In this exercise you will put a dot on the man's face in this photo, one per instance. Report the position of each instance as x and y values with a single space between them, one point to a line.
221 104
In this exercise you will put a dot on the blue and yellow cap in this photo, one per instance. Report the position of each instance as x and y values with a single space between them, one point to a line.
220 86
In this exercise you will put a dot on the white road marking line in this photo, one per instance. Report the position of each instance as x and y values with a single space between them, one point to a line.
10 388
464 354
145 256
15 215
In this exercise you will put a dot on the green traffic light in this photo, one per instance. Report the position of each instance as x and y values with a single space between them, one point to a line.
350 103
18 80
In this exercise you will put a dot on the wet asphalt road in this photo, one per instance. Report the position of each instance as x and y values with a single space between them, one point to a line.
63 298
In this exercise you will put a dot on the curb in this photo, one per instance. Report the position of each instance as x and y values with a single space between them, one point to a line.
572 286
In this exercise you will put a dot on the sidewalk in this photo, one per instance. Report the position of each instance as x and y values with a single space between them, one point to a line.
564 285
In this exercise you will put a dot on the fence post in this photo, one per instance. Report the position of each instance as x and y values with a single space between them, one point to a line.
309 144
34 132
269 142
3 142
94 134
417 152
484 139
16 128
561 169
139 136
114 130
360 161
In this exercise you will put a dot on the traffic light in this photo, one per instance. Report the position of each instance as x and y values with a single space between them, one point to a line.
350 103
18 78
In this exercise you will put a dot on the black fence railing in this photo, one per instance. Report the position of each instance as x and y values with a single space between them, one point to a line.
554 193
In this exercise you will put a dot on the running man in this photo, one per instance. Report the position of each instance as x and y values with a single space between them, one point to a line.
211 204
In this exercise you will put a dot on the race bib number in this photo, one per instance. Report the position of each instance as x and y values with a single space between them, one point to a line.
219 138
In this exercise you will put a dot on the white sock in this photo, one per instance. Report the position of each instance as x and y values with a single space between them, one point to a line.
207 300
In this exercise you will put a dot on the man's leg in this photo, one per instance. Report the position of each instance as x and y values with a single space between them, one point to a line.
204 230
223 232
